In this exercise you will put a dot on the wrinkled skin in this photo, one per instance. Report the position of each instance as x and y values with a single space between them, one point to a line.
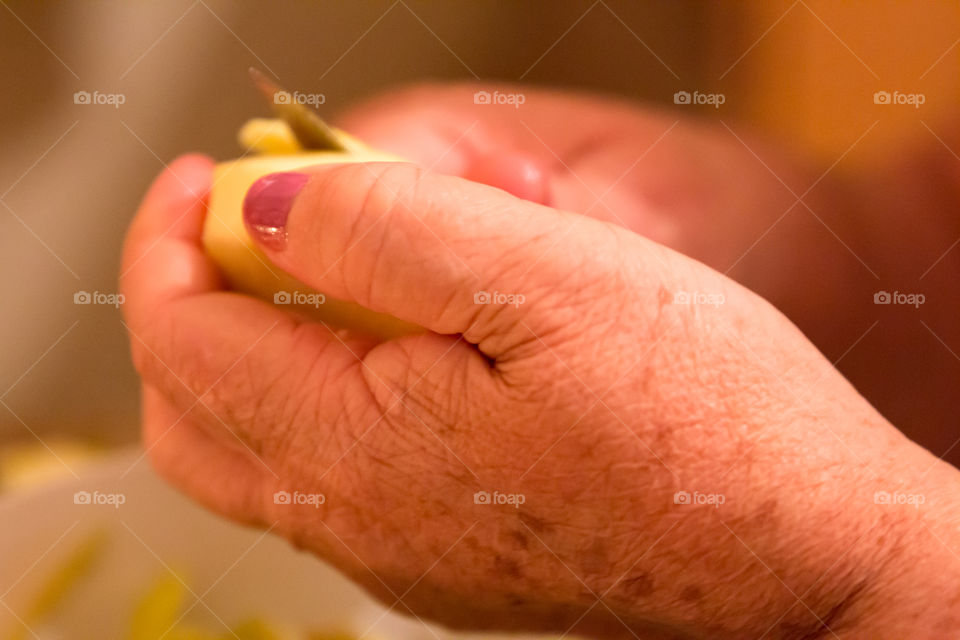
596 400
733 202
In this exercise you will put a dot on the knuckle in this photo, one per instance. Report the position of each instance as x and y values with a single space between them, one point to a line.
142 358
406 391
153 358
390 189
280 407
383 198
259 407
260 400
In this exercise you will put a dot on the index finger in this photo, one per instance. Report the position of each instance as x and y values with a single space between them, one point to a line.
163 258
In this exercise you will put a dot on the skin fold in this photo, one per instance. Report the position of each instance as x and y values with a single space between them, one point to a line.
598 397
732 201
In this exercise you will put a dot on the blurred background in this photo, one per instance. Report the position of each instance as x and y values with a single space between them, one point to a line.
800 73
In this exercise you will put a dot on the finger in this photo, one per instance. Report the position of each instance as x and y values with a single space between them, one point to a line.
440 127
222 478
519 173
444 253
240 360
162 256
252 372
445 124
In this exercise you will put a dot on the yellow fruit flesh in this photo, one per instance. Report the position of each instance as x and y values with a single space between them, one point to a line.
245 267
267 135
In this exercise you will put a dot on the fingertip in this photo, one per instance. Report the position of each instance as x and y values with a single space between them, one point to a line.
162 255
175 202
188 175
193 158
193 171
517 172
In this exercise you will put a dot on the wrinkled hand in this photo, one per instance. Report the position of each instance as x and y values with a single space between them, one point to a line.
582 400
711 192
815 241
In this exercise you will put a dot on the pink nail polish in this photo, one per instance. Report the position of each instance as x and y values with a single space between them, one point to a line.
267 205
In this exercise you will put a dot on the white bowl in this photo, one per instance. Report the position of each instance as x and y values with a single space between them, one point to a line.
235 572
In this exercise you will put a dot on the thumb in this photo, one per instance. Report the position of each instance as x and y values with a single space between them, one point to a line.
441 252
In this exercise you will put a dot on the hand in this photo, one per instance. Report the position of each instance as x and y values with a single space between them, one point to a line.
593 399
711 192
716 194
